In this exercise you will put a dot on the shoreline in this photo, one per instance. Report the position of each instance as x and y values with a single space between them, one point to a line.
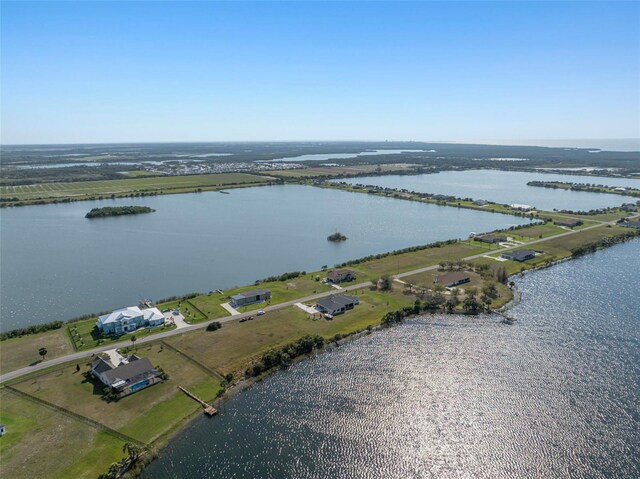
247 383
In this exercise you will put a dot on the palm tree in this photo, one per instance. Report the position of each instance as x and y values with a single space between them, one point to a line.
132 451
133 340
42 352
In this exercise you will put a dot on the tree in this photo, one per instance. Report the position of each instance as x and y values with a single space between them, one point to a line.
133 340
384 283
42 352
472 293
134 452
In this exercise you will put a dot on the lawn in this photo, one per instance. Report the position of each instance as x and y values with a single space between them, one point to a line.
231 348
394 264
146 415
125 187
281 291
20 352
43 443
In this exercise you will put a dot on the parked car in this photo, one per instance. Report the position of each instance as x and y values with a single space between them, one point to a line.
328 316
260 313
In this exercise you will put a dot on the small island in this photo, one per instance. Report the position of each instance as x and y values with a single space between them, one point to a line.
336 237
118 211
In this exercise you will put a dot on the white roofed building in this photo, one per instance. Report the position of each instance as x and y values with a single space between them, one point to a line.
129 319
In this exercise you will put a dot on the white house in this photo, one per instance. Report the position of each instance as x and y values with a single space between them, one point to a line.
129 319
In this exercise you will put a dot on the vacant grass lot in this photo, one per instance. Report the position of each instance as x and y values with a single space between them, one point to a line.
231 348
394 264
20 352
43 443
163 184
146 415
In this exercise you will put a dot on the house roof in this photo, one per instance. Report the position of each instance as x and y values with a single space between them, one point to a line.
152 314
134 369
251 294
491 237
120 314
519 254
100 365
452 277
339 272
336 301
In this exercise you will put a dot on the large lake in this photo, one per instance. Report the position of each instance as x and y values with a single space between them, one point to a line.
507 187
55 264
555 395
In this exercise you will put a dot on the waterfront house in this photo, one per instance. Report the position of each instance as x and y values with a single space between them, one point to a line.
337 304
518 206
452 279
491 239
250 297
629 207
519 255
340 275
568 222
131 375
127 320
480 202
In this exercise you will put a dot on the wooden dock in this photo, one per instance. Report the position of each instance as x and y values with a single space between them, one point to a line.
209 410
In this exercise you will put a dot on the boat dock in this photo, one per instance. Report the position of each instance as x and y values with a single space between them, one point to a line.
209 410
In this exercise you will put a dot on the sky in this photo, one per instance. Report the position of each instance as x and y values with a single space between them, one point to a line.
100 72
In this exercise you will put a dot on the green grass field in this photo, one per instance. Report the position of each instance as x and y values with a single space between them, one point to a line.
43 443
106 188
20 352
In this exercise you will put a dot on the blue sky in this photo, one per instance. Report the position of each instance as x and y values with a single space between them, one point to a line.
123 71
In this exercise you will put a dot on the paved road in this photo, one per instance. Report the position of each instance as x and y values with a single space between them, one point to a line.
275 307
154 337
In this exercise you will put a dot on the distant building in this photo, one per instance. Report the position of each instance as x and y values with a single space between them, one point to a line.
129 319
250 297
480 202
340 275
443 197
492 239
519 255
128 377
629 207
570 223
452 279
630 224
337 304
518 206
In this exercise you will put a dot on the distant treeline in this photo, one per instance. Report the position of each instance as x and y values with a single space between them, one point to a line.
590 187
118 211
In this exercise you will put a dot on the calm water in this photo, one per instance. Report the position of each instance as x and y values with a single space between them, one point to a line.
556 395
335 156
55 264
507 187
